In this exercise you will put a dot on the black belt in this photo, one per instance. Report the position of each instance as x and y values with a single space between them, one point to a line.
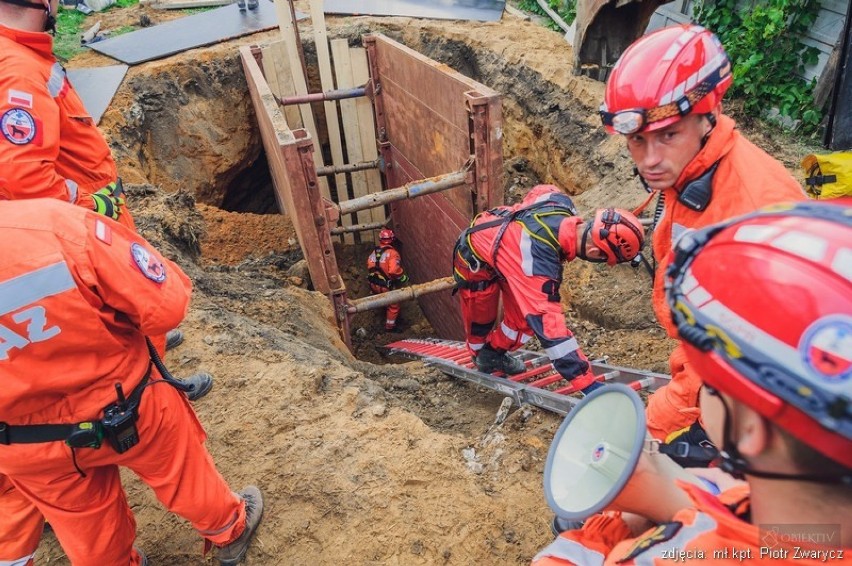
34 434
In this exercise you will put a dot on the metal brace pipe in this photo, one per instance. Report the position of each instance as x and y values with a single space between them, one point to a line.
358 228
349 167
410 190
341 94
399 295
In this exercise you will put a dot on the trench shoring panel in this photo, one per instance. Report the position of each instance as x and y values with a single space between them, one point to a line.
427 131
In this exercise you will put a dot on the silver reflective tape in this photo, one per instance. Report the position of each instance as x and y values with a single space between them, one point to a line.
34 286
562 349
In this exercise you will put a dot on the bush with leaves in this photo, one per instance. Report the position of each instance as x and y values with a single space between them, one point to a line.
567 10
764 41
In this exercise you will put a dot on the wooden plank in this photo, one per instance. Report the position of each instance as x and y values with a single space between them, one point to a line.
285 83
288 33
367 129
349 113
327 81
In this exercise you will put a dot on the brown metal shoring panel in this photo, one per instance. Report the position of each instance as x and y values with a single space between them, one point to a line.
375 90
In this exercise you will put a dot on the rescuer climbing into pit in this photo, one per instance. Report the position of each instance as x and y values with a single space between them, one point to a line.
517 252
385 273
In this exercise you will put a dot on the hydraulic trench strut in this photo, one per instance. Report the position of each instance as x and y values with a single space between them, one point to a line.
540 385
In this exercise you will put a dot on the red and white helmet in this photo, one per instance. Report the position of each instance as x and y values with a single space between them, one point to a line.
664 76
763 304
617 233
386 237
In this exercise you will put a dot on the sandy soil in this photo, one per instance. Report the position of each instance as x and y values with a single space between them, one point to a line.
362 459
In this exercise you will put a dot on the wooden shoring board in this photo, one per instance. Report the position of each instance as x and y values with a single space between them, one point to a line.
367 128
276 69
428 128
349 113
327 81
295 185
288 33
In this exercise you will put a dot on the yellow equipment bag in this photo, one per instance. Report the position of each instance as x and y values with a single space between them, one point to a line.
828 175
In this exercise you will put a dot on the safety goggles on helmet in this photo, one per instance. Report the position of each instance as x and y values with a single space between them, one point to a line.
777 385
633 120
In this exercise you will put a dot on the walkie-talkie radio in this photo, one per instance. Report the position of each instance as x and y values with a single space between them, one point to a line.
119 423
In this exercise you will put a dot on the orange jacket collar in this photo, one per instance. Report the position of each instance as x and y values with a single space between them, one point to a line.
38 41
719 143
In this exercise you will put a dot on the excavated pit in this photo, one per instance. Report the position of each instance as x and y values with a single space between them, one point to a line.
369 463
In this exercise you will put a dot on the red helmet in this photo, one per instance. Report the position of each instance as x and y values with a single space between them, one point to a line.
617 233
664 76
763 304
387 237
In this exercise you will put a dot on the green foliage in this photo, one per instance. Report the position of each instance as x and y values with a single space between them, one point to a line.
567 10
764 41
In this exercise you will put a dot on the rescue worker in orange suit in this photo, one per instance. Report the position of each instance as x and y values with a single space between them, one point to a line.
664 95
80 396
385 273
50 146
517 252
763 307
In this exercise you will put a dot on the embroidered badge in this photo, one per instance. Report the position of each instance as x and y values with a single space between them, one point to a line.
150 266
20 98
660 534
826 348
18 126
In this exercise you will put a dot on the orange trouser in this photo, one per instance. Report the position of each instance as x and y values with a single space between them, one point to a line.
675 406
18 544
392 311
90 515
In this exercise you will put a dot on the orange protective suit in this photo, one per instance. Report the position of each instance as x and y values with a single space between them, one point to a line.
713 531
746 179
50 146
77 298
385 272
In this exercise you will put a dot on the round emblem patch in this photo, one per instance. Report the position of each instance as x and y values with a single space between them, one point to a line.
150 266
18 126
826 348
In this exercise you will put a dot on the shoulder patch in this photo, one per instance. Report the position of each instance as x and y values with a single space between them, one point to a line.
20 98
662 533
103 232
150 266
18 126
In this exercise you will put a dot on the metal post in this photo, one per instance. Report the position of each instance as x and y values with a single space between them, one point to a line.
349 167
321 96
411 190
358 228
399 295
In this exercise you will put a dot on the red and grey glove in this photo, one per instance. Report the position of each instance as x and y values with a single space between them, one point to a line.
107 202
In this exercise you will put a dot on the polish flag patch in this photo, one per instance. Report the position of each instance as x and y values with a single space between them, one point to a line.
103 232
20 98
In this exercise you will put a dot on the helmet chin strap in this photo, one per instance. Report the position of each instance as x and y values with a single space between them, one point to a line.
732 462
581 253
50 21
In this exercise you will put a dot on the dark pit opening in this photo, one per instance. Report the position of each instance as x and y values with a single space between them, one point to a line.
252 190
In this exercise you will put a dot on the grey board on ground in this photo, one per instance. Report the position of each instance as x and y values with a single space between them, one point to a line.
96 87
197 30
481 10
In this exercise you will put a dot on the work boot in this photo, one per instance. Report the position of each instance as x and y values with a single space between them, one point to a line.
252 4
174 338
489 360
201 382
594 386
242 5
560 524
234 552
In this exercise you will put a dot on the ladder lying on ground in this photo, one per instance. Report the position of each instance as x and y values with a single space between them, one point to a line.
540 385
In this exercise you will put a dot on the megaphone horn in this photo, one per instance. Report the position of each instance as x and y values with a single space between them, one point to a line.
601 459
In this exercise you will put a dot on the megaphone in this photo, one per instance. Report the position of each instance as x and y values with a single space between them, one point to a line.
601 458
